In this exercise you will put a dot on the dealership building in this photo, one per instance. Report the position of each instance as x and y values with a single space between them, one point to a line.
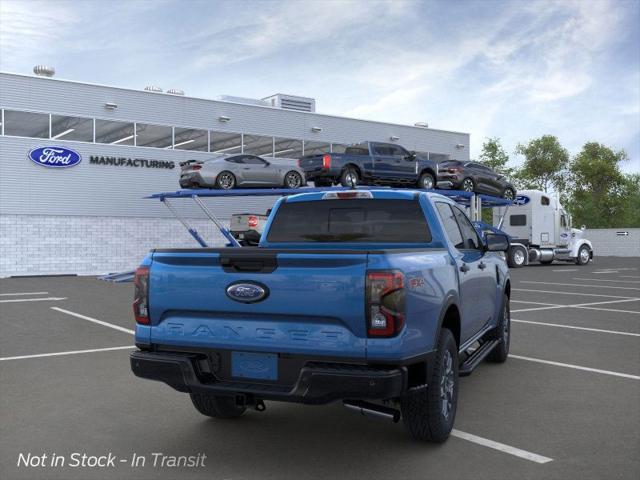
92 218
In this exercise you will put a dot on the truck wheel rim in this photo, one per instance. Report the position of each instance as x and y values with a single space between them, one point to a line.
293 180
467 185
447 384
518 257
427 183
352 179
508 194
584 255
226 181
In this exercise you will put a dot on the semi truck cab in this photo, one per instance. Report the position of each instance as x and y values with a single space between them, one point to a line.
541 231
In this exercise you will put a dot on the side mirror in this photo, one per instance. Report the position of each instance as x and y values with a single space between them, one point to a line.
411 156
496 242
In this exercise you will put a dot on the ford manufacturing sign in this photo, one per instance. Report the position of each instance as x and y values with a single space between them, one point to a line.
521 200
55 157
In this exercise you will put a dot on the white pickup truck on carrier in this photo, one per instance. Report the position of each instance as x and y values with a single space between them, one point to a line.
540 231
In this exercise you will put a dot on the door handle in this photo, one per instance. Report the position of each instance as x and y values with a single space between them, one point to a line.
482 265
464 268
246 168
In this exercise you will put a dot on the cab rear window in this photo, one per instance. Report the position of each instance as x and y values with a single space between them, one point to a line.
350 221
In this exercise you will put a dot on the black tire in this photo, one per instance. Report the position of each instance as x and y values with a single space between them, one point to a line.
468 185
423 409
349 177
509 194
293 180
216 406
225 180
427 181
502 332
584 255
516 257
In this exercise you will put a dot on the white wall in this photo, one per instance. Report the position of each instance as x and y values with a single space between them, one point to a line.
48 244
607 242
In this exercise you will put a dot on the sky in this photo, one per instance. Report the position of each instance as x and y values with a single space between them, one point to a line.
510 69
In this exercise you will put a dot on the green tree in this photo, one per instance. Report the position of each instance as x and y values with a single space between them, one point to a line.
494 156
599 194
545 164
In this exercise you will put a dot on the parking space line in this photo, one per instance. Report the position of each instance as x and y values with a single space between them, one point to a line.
94 320
597 330
71 352
629 276
22 293
485 442
581 285
567 270
571 293
576 367
47 299
610 310
603 280
583 305
537 303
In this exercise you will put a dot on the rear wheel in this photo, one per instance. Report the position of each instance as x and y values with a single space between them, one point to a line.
502 332
584 255
517 257
429 413
293 179
426 181
225 180
216 406
349 177
468 185
508 194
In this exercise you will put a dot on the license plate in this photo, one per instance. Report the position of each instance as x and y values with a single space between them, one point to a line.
260 366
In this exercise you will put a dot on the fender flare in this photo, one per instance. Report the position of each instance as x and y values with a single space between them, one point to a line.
580 243
451 299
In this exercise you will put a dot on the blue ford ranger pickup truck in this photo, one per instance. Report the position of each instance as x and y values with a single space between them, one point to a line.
371 163
377 298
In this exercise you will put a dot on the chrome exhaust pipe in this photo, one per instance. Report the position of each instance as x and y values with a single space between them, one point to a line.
372 410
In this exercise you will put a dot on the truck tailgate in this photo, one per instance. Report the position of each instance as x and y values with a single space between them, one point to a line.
314 305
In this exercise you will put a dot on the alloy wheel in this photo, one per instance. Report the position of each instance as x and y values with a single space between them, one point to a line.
226 181
293 180
467 185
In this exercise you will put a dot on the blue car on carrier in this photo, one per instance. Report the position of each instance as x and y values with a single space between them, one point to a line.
377 298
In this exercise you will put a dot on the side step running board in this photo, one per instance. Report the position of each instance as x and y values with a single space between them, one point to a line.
476 357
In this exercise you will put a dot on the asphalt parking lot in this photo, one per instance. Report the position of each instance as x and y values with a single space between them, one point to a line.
565 405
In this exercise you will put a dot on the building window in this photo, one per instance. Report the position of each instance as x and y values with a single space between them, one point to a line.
316 148
191 139
287 148
71 128
26 124
226 143
258 145
156 136
115 133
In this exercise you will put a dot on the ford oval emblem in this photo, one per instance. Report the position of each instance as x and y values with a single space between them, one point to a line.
521 200
247 292
55 157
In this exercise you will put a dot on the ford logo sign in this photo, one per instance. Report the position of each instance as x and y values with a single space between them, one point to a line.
521 200
55 157
247 292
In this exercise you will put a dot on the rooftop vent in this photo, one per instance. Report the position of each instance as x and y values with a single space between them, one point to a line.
421 124
175 91
244 100
291 102
153 88
44 71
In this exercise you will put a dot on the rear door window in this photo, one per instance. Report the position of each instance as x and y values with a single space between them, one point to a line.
350 221
450 224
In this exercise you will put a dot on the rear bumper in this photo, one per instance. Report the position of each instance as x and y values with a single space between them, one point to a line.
317 383
192 179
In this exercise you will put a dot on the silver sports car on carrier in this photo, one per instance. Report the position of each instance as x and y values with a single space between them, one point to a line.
231 171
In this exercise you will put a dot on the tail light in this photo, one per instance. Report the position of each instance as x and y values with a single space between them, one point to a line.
454 170
253 221
196 167
347 195
141 296
385 303
300 162
326 161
